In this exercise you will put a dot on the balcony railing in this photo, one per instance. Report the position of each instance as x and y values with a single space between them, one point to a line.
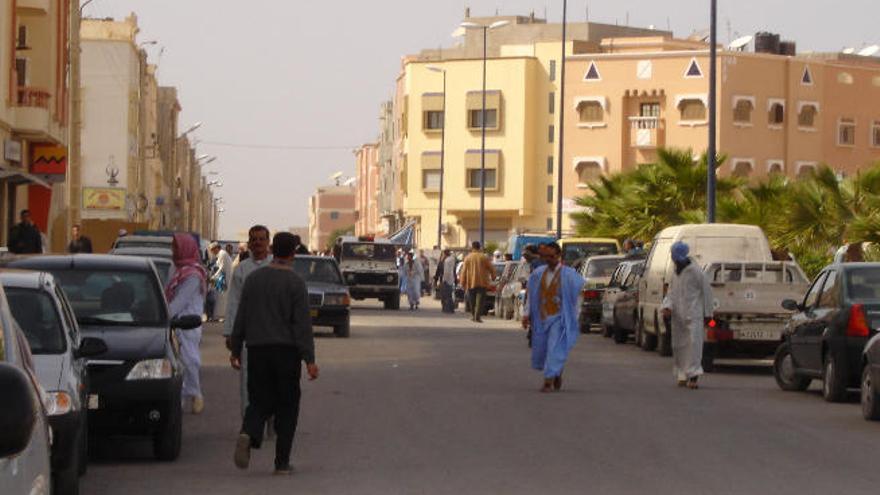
32 97
646 132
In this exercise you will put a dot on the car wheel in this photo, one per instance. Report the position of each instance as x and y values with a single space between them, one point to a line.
870 396
833 379
66 481
785 373
342 331
620 335
392 302
649 342
167 441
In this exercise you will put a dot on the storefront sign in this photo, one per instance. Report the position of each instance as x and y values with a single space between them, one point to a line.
104 198
12 150
49 162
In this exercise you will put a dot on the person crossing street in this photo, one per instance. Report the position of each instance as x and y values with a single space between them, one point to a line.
477 273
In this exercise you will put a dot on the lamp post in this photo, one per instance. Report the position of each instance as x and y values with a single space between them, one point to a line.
561 125
713 55
485 28
442 158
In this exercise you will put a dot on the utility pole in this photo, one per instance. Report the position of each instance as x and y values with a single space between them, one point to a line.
713 56
561 125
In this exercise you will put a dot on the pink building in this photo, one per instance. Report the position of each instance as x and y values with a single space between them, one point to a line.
331 208
366 197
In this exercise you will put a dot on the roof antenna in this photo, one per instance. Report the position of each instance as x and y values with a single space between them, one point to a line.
588 12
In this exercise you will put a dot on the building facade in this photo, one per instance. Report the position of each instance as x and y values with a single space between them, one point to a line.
367 190
331 208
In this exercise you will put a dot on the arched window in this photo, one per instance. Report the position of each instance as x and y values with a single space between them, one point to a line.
807 115
742 111
742 168
588 172
776 113
590 112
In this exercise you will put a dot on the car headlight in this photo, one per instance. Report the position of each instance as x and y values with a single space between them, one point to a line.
151 369
390 277
336 300
58 403
349 277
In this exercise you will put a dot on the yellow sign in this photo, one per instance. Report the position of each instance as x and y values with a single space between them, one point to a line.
104 198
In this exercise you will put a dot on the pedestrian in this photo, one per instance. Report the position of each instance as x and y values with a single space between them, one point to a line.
477 273
497 256
24 237
79 243
273 322
690 305
258 247
300 248
426 269
185 293
552 314
243 254
401 271
413 272
220 278
447 282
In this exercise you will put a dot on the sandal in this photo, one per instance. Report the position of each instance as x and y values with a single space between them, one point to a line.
548 386
557 383
692 383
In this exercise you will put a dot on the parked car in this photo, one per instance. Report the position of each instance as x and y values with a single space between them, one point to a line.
577 249
160 256
135 385
620 301
329 301
826 336
870 386
513 291
708 243
597 272
144 241
44 315
748 318
24 428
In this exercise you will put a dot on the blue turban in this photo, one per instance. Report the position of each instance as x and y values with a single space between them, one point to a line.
680 252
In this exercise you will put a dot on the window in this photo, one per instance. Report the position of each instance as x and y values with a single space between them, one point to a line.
590 112
551 134
21 71
776 113
807 77
845 78
812 296
549 194
550 164
775 167
551 103
477 123
651 109
475 115
588 172
807 115
552 70
805 169
693 70
742 168
433 120
846 132
549 223
592 73
692 109
22 37
742 111
334 215
35 313
644 69
114 298
473 179
875 134
830 292
431 180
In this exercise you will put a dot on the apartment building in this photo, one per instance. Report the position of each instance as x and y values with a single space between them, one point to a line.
34 113
779 112
367 190
331 208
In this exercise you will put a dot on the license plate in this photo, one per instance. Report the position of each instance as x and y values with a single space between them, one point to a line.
757 335
313 313
94 403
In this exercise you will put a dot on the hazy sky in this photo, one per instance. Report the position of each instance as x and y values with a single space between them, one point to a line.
297 73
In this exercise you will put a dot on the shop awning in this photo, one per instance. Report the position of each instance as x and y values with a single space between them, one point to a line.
18 176
405 236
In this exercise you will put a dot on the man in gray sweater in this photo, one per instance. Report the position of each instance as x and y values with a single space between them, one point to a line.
273 321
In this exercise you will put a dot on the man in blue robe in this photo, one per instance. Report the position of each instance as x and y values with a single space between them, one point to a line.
553 305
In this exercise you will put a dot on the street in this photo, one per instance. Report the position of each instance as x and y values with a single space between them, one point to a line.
431 403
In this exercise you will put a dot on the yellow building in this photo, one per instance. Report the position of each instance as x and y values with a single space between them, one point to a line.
778 112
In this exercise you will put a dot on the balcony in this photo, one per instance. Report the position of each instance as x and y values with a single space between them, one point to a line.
32 97
647 132
33 118
41 6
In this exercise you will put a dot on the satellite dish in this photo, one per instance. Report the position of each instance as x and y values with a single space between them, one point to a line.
336 176
740 43
848 50
350 182
870 51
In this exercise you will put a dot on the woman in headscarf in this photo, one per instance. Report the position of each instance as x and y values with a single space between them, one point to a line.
186 296
413 274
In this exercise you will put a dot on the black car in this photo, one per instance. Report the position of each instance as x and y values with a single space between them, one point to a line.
620 302
134 385
826 336
871 379
329 301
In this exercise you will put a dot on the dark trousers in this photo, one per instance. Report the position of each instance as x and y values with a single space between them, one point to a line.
273 390
477 295
446 298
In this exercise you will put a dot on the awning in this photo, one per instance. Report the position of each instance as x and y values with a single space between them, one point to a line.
17 176
405 236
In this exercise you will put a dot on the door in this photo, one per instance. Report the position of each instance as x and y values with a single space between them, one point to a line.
815 331
802 323
651 285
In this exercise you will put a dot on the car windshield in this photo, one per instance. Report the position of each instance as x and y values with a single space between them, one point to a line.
369 251
573 251
602 267
163 266
158 243
863 284
114 297
36 315
317 270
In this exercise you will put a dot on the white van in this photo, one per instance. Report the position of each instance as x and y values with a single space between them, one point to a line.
708 243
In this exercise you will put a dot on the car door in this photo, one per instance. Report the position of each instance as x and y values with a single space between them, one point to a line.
611 293
802 324
826 309
78 365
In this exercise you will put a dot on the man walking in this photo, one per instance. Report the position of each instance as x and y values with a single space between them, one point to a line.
273 321
258 247
552 312
79 243
690 305
446 272
24 237
220 278
477 273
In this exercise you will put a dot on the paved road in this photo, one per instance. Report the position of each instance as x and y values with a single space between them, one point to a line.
431 403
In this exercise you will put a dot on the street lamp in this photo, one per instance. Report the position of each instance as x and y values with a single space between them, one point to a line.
561 125
485 28
442 158
713 55
205 159
191 129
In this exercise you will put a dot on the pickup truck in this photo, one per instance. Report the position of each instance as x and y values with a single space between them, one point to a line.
748 319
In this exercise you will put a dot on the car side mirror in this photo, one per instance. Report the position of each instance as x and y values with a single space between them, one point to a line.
186 322
90 347
791 305
20 411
